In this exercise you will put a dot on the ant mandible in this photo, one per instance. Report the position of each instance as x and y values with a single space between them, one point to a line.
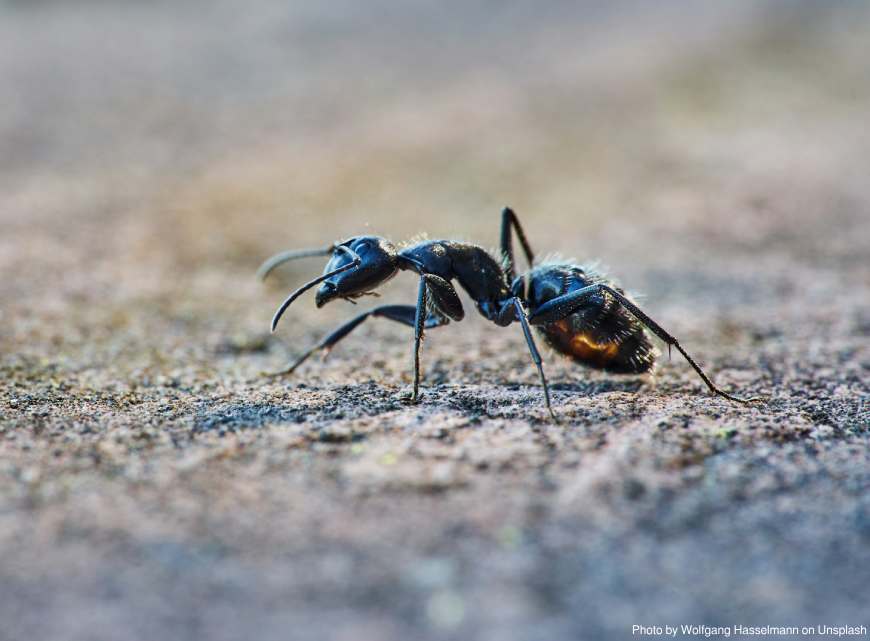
577 311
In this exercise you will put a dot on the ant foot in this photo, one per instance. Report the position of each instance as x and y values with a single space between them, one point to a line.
409 396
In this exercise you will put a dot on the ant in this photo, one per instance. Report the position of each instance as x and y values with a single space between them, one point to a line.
578 312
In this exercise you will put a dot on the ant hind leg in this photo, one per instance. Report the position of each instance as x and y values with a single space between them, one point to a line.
563 306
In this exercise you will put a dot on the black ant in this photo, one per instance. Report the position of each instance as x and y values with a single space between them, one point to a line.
578 312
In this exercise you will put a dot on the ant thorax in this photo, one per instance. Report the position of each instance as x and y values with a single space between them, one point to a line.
476 270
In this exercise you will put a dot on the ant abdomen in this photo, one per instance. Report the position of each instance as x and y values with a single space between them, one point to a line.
601 334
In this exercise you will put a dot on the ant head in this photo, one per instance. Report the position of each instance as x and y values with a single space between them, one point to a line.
358 265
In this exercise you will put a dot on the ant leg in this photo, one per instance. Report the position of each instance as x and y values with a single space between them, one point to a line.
404 314
445 301
443 297
536 356
564 306
509 219
419 323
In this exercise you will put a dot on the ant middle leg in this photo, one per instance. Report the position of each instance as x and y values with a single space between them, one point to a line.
563 306
510 221
404 314
536 355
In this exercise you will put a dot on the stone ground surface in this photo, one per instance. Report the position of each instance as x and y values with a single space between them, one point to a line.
154 485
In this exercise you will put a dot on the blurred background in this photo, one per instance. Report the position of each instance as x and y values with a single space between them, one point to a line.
714 156
159 150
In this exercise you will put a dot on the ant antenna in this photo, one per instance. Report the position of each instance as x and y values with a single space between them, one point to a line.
355 261
279 259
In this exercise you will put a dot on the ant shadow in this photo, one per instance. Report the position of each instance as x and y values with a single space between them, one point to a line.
345 402
594 388
493 399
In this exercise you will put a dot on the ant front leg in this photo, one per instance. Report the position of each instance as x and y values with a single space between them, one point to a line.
563 306
418 335
405 314
445 301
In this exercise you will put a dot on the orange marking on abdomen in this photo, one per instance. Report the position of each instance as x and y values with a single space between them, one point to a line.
582 347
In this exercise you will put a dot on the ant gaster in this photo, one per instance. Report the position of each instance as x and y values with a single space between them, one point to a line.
578 312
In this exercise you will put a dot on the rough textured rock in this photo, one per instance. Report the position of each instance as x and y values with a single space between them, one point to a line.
154 484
